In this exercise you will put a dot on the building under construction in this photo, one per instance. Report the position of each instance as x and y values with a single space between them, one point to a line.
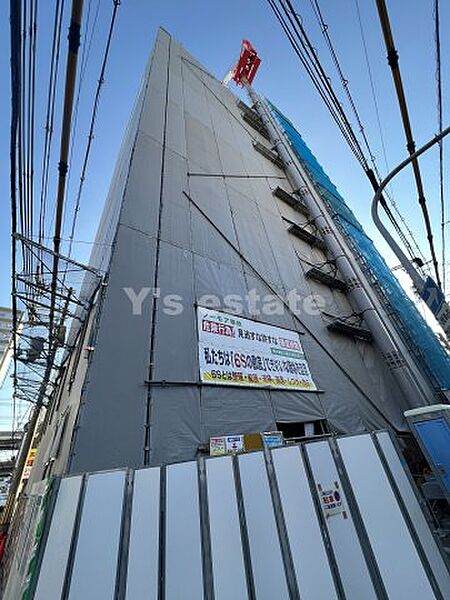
235 304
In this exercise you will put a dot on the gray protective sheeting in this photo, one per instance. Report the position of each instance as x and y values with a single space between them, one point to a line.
188 125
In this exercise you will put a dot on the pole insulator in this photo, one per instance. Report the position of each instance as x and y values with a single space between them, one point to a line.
392 58
74 37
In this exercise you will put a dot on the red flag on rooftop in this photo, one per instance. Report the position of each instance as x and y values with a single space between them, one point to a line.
248 64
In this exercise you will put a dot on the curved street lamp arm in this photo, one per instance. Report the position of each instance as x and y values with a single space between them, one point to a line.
405 262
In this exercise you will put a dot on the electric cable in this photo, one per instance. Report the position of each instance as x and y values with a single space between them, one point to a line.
100 83
21 134
381 134
15 34
345 85
27 160
297 36
50 114
31 117
26 127
312 55
71 71
438 75
85 55
319 81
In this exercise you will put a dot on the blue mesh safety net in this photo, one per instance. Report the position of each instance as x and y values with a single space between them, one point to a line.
420 338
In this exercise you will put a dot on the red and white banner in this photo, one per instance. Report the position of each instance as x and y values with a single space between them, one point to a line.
237 351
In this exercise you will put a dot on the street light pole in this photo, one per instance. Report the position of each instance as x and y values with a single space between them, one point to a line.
428 289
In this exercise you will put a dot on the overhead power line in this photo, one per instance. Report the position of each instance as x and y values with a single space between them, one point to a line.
101 81
437 39
296 34
345 85
25 139
71 71
31 114
53 308
392 56
294 29
22 133
15 18
85 55
26 126
50 114
380 130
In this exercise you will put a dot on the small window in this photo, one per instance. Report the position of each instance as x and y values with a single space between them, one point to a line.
293 431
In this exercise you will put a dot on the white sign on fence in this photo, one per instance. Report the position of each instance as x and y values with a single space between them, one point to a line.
227 444
331 500
237 351
217 446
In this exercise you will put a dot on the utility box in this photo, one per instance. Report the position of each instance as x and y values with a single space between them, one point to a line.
430 426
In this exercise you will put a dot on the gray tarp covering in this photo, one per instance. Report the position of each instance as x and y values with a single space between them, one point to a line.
189 126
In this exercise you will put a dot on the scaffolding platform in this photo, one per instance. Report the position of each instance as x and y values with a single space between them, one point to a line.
253 119
310 238
269 154
350 329
328 279
290 199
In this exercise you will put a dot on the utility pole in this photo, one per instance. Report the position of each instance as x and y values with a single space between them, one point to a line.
392 57
69 93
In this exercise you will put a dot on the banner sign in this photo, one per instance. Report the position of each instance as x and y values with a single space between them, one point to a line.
237 351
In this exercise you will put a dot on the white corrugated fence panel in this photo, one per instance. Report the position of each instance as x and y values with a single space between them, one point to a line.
97 551
421 526
184 571
226 545
143 549
267 562
312 569
106 538
395 552
350 559
54 563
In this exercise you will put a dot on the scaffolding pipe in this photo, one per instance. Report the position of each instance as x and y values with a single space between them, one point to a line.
416 392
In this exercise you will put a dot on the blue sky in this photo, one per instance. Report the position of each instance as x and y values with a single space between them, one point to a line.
212 32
